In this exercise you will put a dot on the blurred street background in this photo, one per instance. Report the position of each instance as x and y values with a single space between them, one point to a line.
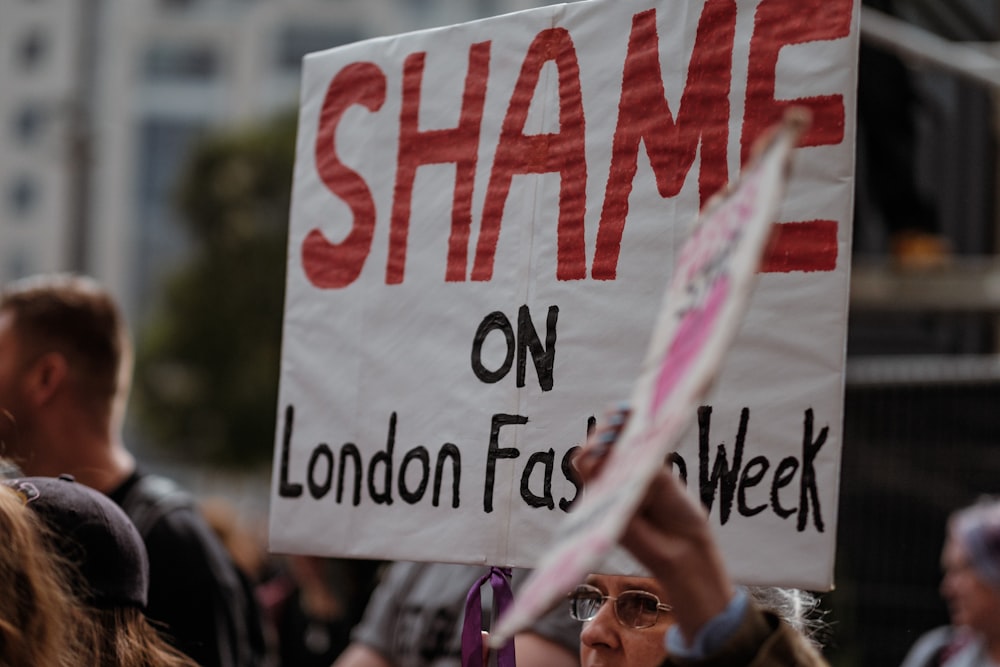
150 144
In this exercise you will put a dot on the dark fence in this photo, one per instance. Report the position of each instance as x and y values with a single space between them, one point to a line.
920 439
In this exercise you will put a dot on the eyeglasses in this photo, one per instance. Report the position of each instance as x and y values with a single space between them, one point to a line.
633 609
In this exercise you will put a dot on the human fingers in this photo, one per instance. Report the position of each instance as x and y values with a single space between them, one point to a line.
667 513
669 535
591 457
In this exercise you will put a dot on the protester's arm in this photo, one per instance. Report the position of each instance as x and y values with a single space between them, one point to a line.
670 536
371 643
359 655
760 640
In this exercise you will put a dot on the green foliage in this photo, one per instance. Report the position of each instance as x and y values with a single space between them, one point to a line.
207 363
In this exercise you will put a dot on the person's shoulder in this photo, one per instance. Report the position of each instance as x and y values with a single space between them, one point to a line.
171 524
147 498
432 578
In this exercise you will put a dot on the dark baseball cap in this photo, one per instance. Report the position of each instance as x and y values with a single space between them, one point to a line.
92 532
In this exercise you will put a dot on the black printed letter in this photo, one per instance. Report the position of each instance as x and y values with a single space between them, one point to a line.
808 480
497 452
285 489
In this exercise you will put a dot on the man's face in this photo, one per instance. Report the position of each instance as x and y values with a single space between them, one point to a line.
12 405
606 642
971 601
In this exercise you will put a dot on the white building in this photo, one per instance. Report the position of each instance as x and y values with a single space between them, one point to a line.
40 82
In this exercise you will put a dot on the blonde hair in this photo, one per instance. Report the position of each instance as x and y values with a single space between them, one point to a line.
41 622
125 638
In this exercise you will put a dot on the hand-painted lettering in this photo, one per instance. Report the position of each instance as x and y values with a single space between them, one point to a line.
385 458
722 477
569 472
321 467
739 481
525 343
816 20
498 452
673 139
458 145
495 321
331 265
644 116
413 475
808 491
562 152
547 459
287 489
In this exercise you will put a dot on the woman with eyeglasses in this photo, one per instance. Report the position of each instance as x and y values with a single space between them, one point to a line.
624 618
689 612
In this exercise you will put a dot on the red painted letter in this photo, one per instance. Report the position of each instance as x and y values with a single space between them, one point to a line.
779 23
458 145
644 116
332 265
801 246
563 152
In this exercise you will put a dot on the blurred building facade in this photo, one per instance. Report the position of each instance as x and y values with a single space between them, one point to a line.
102 99
39 122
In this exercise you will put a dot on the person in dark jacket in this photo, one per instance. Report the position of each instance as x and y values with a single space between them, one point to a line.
65 369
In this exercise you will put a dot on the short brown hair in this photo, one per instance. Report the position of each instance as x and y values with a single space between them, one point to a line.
75 316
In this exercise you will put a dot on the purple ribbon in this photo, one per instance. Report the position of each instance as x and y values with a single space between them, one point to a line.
472 629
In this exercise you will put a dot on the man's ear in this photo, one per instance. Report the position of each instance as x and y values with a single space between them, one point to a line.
46 376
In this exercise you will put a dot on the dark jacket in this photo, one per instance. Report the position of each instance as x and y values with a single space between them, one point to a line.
762 640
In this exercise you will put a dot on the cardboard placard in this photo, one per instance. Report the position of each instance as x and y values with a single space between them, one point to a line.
484 218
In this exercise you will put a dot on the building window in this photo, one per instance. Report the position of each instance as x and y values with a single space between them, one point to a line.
22 196
295 41
31 49
164 147
180 62
28 123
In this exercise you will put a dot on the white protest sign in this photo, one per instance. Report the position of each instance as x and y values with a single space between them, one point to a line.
484 217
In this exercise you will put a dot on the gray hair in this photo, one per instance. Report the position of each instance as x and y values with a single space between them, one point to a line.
796 607
977 529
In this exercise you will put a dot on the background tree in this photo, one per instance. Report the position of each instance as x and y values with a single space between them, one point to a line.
207 361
